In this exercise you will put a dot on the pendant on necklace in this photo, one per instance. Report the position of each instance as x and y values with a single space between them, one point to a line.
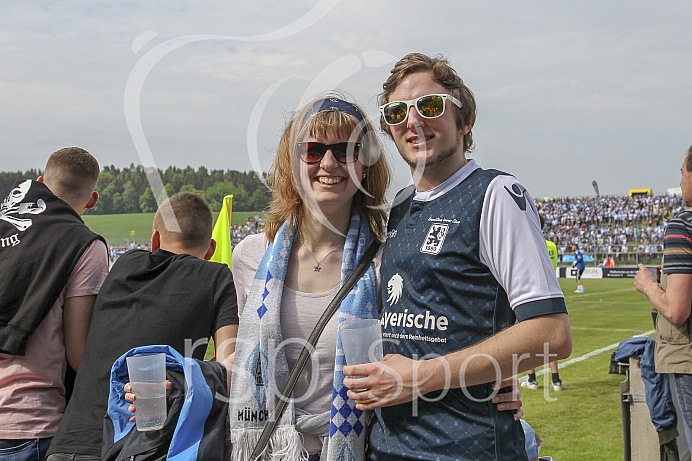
317 267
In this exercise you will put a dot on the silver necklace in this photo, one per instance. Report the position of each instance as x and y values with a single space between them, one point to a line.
317 266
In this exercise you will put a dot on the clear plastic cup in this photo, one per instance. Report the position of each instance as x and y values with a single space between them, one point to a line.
147 375
362 343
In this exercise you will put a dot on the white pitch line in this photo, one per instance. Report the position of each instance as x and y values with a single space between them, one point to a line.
583 357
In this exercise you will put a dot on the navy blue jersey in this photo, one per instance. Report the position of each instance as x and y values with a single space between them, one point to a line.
449 272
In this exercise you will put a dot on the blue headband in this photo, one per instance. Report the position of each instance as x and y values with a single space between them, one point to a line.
340 105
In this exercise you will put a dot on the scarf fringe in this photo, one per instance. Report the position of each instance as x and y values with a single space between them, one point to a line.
285 444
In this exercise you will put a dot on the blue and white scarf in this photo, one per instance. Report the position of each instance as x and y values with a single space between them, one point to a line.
260 370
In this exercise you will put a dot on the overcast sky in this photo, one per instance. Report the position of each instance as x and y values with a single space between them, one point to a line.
567 92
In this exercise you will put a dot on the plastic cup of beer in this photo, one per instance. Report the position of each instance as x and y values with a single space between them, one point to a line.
362 343
148 380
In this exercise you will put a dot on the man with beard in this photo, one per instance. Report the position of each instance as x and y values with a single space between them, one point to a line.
464 259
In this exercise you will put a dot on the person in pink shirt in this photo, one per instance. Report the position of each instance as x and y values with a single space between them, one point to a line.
52 267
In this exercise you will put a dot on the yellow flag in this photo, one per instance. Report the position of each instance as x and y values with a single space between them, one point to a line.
222 233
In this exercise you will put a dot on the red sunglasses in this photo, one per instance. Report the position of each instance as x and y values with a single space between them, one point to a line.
343 152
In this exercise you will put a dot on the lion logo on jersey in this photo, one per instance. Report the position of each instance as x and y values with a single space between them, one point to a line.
394 287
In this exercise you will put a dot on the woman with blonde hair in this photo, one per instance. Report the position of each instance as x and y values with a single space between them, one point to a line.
328 183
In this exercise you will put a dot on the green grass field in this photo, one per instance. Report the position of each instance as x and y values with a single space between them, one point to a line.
584 422
117 228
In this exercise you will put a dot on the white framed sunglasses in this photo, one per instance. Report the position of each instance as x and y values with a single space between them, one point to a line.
428 106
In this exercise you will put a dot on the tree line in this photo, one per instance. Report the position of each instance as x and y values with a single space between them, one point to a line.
127 190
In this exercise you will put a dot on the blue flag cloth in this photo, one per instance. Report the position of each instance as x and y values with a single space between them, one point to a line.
659 398
193 415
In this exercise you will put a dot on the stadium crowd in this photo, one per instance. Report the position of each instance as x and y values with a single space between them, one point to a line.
609 224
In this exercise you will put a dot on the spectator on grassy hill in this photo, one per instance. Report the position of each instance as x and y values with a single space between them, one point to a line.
171 296
52 266
673 301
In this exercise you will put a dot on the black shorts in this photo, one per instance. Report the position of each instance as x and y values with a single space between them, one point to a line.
579 273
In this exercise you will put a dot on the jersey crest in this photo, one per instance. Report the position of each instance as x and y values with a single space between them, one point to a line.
435 238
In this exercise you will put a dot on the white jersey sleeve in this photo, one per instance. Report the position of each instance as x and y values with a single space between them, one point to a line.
513 248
